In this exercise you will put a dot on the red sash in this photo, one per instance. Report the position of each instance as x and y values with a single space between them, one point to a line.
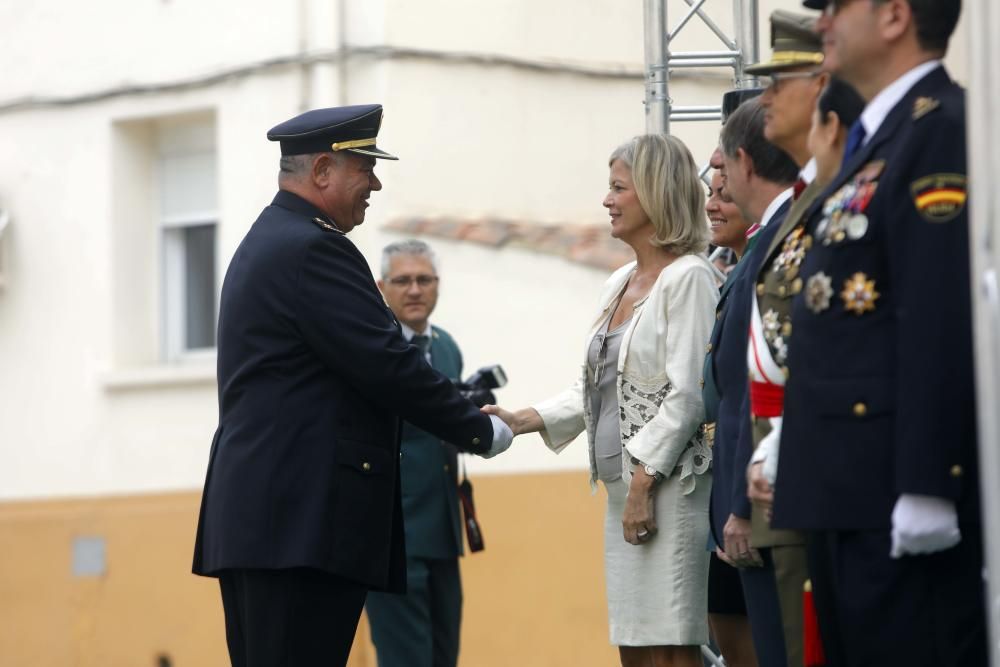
766 399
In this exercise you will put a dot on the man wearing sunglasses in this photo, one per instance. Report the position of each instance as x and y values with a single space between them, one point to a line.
878 446
793 81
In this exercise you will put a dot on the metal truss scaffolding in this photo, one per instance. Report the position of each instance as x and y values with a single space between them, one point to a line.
660 60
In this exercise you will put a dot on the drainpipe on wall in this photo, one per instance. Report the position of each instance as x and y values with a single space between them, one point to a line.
343 48
305 69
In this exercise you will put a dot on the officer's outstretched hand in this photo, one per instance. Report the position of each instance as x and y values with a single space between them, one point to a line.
923 525
502 437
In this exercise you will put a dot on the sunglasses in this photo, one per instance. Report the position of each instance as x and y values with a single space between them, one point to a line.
773 80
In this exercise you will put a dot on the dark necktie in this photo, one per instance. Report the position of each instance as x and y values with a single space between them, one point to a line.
797 189
855 137
422 342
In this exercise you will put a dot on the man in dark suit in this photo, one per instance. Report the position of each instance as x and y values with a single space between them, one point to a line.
878 444
301 511
757 176
421 628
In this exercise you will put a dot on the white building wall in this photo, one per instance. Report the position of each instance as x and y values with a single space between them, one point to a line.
86 404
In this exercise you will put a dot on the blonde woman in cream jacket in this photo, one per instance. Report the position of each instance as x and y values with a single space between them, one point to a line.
638 398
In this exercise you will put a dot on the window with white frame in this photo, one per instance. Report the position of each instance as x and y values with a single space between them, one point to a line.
188 220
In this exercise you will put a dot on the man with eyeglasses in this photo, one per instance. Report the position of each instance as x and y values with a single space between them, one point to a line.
421 628
301 512
878 445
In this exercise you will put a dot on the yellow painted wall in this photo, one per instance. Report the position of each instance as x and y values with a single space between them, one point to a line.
535 596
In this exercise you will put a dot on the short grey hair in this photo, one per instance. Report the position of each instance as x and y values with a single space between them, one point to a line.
297 165
413 247
669 190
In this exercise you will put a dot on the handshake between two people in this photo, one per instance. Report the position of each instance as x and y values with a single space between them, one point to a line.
506 424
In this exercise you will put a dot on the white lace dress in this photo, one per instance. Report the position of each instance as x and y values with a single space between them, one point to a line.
657 591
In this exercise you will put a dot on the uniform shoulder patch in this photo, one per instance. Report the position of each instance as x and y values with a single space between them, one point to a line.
326 225
923 106
939 197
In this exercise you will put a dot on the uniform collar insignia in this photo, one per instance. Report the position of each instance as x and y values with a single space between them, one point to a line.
923 106
326 224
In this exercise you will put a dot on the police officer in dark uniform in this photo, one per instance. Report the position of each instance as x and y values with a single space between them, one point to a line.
878 444
301 510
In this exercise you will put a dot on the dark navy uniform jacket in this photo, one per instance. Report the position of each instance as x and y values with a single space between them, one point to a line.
880 398
726 367
314 376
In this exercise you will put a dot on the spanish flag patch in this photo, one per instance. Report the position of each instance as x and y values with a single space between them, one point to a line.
939 197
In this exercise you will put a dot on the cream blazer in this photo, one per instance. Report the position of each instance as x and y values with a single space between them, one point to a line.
659 369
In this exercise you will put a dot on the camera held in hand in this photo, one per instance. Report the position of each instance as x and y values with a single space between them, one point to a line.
478 386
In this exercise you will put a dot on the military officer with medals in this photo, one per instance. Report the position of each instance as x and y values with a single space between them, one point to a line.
878 438
793 81
301 512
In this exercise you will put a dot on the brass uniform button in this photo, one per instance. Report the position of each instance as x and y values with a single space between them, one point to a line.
796 285
839 236
760 289
807 586
786 329
709 348
860 409
784 369
475 441
366 466
781 290
956 471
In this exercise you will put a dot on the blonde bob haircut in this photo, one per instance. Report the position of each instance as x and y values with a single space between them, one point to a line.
669 190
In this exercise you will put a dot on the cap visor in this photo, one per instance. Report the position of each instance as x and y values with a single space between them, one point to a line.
772 66
373 151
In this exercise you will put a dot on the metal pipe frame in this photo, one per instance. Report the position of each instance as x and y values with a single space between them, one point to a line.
741 49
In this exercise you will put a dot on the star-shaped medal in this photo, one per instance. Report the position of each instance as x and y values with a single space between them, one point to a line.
859 294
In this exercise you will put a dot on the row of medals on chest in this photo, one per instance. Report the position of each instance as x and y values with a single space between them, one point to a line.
843 218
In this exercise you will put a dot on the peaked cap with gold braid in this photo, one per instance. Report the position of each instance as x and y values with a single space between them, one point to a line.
794 43
352 128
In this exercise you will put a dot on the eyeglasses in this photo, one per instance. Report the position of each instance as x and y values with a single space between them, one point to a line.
406 281
773 80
